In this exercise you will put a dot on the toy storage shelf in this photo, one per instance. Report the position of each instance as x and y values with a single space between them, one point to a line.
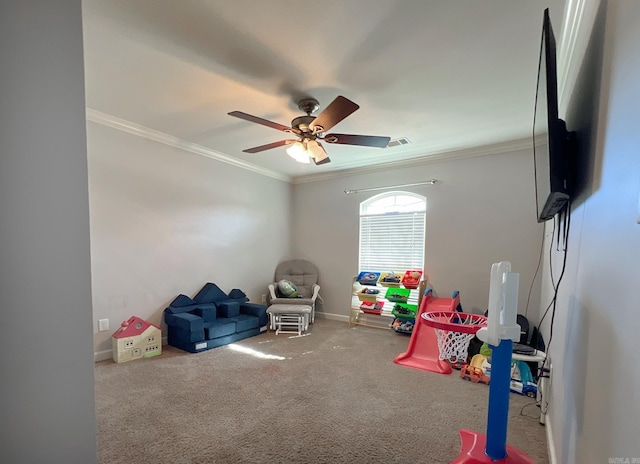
384 320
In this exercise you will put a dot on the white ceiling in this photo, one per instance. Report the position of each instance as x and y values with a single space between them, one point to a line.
449 75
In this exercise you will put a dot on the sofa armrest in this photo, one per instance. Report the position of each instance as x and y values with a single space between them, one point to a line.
185 321
255 309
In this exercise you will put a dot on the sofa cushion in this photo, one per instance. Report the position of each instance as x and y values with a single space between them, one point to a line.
229 308
207 312
210 293
181 300
238 295
219 328
245 322
180 309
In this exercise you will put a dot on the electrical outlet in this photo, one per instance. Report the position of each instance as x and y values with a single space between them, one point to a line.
264 298
103 325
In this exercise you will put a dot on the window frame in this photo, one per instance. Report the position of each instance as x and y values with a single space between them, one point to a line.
401 212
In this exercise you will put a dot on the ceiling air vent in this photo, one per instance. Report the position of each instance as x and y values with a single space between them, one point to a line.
397 142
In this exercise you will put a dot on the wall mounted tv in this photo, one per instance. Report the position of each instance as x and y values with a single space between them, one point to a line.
553 144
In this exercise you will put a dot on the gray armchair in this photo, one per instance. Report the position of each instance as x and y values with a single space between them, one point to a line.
304 275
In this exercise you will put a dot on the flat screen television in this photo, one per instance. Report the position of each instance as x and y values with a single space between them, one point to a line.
552 143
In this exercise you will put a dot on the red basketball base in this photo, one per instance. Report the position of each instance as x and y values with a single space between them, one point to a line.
423 352
472 451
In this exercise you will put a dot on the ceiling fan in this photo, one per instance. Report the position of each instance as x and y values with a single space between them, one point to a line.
311 130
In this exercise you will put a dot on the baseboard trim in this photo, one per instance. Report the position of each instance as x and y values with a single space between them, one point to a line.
551 446
332 317
102 355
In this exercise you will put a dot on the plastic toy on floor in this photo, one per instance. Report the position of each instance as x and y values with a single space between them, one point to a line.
521 380
500 333
475 370
423 352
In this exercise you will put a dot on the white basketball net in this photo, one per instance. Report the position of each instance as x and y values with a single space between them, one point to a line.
453 346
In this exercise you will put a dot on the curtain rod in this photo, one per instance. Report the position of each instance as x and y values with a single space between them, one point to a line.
426 182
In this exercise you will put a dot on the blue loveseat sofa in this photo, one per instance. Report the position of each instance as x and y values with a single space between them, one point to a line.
213 318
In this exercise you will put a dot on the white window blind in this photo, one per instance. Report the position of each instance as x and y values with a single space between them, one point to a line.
392 241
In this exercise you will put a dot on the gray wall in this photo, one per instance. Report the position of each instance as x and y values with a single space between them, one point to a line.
165 221
594 410
45 334
481 212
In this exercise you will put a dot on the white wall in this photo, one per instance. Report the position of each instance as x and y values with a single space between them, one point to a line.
481 212
594 413
165 221
46 389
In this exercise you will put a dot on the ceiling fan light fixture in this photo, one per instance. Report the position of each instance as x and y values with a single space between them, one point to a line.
298 152
311 130
316 152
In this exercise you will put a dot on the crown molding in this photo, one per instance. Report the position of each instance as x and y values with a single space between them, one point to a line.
141 131
485 150
114 122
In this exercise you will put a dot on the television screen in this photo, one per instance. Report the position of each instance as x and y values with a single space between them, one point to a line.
550 137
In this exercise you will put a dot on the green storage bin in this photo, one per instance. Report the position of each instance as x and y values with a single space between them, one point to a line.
397 295
404 311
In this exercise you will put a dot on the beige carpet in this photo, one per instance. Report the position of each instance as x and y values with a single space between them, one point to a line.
331 396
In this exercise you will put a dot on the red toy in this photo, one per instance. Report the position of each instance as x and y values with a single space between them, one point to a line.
423 352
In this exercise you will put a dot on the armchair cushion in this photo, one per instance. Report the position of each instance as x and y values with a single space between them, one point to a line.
301 273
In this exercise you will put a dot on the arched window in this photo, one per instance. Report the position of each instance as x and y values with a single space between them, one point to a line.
392 231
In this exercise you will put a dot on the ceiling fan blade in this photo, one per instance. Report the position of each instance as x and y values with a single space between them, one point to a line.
269 146
337 110
318 153
363 140
264 122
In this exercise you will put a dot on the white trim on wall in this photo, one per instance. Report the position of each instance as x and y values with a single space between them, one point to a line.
136 129
333 317
115 122
551 447
494 149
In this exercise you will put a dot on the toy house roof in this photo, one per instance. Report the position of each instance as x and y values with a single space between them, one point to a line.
132 327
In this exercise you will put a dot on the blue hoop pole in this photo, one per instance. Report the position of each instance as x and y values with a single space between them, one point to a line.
498 415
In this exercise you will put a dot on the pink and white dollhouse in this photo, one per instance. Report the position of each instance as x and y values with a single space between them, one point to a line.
136 338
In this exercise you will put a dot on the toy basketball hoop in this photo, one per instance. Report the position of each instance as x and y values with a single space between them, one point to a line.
454 331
